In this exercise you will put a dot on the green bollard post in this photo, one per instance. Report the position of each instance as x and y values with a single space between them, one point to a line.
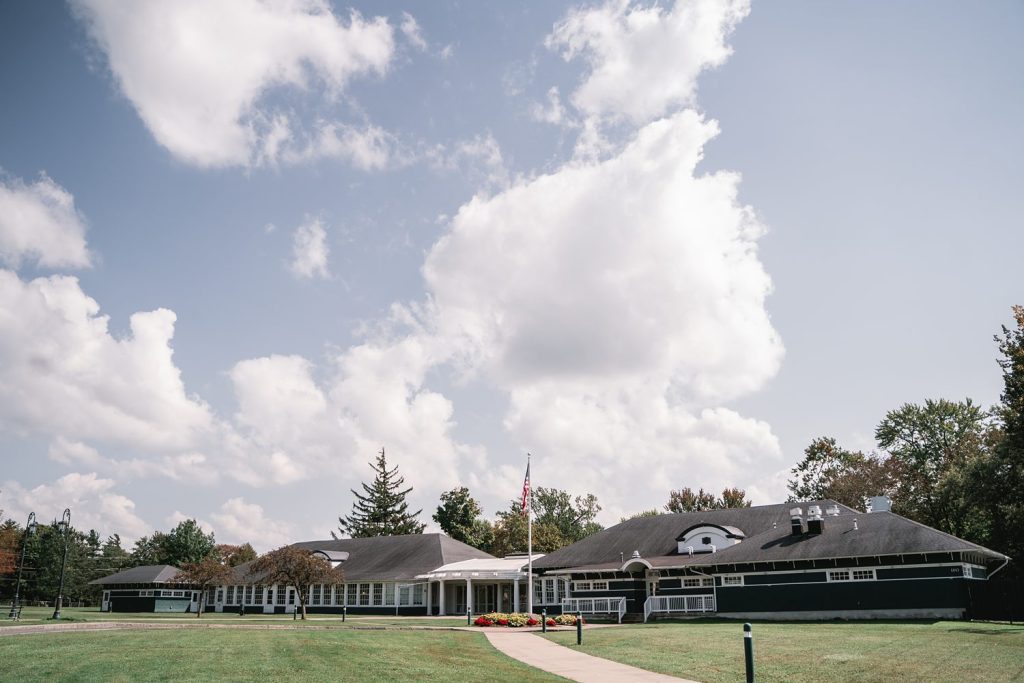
579 628
748 652
544 620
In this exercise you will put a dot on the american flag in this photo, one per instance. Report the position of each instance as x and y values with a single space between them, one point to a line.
526 489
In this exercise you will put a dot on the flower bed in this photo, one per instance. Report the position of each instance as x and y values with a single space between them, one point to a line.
511 620
520 619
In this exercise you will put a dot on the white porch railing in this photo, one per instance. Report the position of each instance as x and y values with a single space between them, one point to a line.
686 604
616 606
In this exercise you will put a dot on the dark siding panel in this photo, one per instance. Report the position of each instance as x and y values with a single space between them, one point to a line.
865 595
808 577
920 572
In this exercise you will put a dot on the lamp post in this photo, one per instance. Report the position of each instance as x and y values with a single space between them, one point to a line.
30 528
65 526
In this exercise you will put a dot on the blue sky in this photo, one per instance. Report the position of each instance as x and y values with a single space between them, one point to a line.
655 245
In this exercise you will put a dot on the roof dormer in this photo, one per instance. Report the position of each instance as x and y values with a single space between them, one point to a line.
708 538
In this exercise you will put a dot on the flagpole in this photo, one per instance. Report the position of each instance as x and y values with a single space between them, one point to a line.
529 539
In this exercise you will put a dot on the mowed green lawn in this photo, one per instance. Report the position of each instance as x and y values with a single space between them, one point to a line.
41 615
812 652
259 655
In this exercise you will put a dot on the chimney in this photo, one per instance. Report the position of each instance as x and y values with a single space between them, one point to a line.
815 523
796 521
878 504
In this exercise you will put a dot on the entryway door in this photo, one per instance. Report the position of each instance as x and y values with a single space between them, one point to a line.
485 598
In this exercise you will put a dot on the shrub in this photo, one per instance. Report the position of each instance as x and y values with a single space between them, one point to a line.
551 622
531 622
483 621
567 619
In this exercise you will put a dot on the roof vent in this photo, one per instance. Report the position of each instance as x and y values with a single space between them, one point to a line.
878 504
814 512
796 521
832 511
855 527
635 555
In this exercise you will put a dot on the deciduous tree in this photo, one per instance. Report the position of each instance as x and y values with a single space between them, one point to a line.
296 567
459 516
829 471
206 573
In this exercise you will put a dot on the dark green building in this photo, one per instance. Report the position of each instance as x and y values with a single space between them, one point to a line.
150 588
816 560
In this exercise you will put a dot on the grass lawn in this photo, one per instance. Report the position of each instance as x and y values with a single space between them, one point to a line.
712 652
248 655
41 615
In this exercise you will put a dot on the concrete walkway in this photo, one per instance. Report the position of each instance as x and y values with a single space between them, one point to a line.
541 653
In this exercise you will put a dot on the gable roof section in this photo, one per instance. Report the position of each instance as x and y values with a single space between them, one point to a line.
877 534
656 536
392 558
152 573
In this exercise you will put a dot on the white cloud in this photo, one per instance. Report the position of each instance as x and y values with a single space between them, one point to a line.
478 158
240 522
198 72
93 502
553 112
368 148
180 466
410 28
39 222
644 60
620 303
310 250
63 372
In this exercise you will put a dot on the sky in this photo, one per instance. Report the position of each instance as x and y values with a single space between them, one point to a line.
246 244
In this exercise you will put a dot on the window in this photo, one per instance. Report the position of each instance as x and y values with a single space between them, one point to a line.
417 594
291 596
248 595
732 580
378 594
590 585
280 594
863 574
697 581
220 595
177 594
259 596
231 595
706 540
364 594
211 595
389 593
350 596
839 575
315 600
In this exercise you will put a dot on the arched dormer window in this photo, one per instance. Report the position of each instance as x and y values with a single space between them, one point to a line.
708 538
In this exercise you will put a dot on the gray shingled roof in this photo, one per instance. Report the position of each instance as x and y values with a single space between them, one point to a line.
389 558
877 533
152 573
655 536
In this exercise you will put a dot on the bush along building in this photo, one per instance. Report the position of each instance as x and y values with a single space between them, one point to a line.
817 560
814 560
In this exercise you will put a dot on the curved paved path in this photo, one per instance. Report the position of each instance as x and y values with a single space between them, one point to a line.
542 654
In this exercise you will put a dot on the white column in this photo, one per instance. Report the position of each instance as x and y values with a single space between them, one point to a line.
430 596
440 597
515 595
469 595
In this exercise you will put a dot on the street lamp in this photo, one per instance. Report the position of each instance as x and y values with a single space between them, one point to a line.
30 528
65 526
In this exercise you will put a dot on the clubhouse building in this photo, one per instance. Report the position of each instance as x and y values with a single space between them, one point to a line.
815 560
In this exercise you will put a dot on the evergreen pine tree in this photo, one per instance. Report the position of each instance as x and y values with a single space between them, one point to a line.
382 510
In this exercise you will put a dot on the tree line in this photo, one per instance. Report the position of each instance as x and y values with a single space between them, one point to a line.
951 465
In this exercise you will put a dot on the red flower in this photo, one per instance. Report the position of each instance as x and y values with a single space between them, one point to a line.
531 622
483 621
551 622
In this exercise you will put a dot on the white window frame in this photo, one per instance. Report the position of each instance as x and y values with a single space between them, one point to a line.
839 576
731 580
866 575
590 585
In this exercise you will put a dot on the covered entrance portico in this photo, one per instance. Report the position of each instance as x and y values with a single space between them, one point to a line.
480 586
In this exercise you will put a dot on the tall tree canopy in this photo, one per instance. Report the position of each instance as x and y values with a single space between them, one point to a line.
1000 482
234 555
381 510
573 517
459 516
208 572
685 500
829 471
186 543
930 447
